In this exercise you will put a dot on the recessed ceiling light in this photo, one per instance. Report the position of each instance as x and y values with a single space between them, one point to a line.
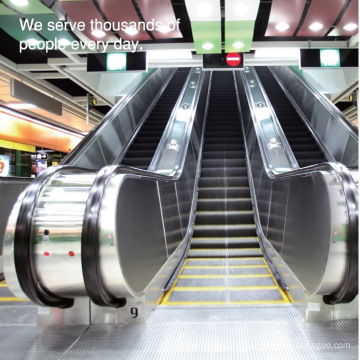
350 27
207 46
98 33
238 45
131 31
20 2
32 42
163 29
21 105
241 9
282 26
204 9
316 26
64 42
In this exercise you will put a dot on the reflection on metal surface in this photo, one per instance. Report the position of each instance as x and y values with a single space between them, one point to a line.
149 223
280 157
337 135
10 189
305 216
178 128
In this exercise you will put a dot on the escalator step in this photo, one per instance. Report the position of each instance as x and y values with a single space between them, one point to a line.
224 192
224 263
245 252
218 230
224 217
227 242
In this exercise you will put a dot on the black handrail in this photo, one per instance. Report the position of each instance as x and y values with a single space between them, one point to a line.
23 249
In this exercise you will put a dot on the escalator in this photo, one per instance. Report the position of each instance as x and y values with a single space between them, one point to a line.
225 264
302 143
134 227
144 146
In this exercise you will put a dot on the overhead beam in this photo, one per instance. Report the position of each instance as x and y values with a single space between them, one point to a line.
48 75
11 69
255 45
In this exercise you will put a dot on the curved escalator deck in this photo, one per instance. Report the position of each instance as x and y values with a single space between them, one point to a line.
303 145
225 264
143 148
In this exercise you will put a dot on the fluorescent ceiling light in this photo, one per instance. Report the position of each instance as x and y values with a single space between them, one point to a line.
238 45
163 29
64 42
316 26
20 2
350 27
207 46
241 9
20 105
282 26
131 31
277 53
33 120
32 42
168 55
98 33
204 9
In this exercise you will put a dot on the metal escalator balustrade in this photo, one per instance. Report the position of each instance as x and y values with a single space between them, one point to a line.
142 150
302 143
225 263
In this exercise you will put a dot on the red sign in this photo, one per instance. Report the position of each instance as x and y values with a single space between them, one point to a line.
233 59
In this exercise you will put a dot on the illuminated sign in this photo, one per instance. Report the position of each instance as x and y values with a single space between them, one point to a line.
330 58
117 62
223 61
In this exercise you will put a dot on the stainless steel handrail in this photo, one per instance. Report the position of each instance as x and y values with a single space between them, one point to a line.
170 154
341 191
279 161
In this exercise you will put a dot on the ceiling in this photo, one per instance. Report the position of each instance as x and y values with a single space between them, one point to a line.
249 24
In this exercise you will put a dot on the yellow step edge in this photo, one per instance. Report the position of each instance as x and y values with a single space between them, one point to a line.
281 291
167 295
223 288
204 276
250 302
226 237
233 258
12 299
215 249
3 285
224 267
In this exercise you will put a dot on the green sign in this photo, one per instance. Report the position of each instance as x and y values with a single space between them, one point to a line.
330 58
116 62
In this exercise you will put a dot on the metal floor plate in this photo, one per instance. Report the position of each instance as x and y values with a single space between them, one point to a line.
247 332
